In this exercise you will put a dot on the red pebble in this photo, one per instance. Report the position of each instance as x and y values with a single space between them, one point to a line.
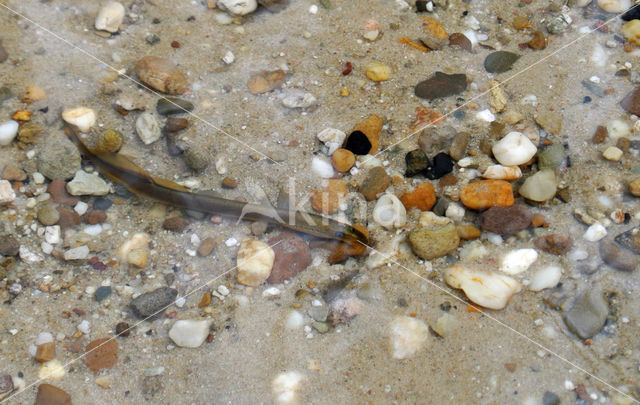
348 68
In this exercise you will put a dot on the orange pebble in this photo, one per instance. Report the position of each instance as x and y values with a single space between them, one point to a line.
21 115
468 232
343 160
423 197
538 220
484 194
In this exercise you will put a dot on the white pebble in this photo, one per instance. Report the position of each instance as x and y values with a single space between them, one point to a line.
271 292
618 128
147 128
43 337
529 99
295 320
547 277
472 37
52 369
578 255
110 17
254 262
499 172
7 195
485 115
297 98
81 207
52 234
408 336
595 232
612 153
514 149
28 256
237 7
486 288
46 248
231 242
78 253
8 131
455 212
518 260
38 178
189 333
313 9
322 168
614 6
599 55
389 212
84 327
285 387
84 183
494 238
222 289
129 251
228 58
221 165
82 117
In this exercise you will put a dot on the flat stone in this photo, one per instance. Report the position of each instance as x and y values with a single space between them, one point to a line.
148 304
13 173
102 293
432 242
556 243
550 121
588 314
500 61
58 190
206 247
631 102
51 395
46 352
441 85
506 220
292 255
101 353
376 182
189 333
84 183
174 105
617 257
94 217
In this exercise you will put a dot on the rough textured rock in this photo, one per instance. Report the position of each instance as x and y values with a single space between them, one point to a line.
161 74
51 395
149 303
484 194
588 314
432 242
555 243
423 197
58 158
9 245
292 256
506 220
375 184
101 353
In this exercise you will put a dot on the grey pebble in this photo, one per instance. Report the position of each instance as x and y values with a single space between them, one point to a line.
549 398
551 157
149 303
173 105
319 313
588 314
102 293
48 215
195 159
58 158
9 245
617 257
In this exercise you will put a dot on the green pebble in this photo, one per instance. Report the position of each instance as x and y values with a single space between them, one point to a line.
48 215
321 327
551 157
173 105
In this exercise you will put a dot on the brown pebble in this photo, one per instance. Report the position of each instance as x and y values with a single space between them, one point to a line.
601 135
206 247
101 353
538 41
33 94
520 22
259 228
205 300
538 220
175 224
68 217
46 352
468 232
325 201
292 255
94 217
122 329
556 243
376 182
58 190
510 366
623 143
631 102
634 187
161 74
77 345
51 395
448 180
175 44
228 182
13 173
506 220
175 124
343 160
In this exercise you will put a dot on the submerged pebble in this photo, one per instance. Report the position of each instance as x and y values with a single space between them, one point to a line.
8 131
587 315
486 288
514 149
254 262
389 212
189 333
147 128
110 17
408 336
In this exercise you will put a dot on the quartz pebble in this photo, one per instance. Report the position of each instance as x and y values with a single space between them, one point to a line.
147 128
539 187
518 260
8 131
408 337
296 98
332 138
389 212
82 117
78 253
84 183
486 288
189 333
161 74
514 149
110 17
237 7
499 172
254 262
612 153
595 232
286 387
134 250
7 195
322 168
546 277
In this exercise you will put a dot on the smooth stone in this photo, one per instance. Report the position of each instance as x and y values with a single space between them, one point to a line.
550 121
458 146
51 395
82 117
102 293
292 255
173 105
547 277
376 182
506 220
441 165
489 289
441 85
84 183
161 74
9 245
630 239
78 253
551 157
555 243
500 61
618 257
8 131
147 128
48 215
237 7
514 149
539 187
614 6
408 336
588 314
7 195
333 138
189 333
432 242
254 262
110 17
296 98
631 102
417 162
389 212
58 158
152 303
518 260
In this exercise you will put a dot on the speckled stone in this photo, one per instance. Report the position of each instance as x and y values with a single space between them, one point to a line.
588 314
617 257
506 220
375 183
292 255
149 303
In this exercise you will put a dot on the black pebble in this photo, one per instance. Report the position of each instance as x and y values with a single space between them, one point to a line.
632 14
102 203
358 143
442 164
417 162
459 114
421 6
549 398
586 100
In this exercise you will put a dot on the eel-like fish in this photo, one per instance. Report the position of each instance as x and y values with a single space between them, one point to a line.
121 170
